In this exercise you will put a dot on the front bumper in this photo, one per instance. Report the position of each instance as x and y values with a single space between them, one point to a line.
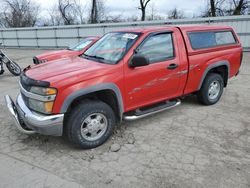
30 122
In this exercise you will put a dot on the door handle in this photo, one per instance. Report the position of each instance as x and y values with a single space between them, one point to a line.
172 66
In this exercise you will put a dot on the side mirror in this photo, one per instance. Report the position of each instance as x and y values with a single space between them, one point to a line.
138 61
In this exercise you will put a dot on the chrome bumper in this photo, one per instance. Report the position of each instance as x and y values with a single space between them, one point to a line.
36 123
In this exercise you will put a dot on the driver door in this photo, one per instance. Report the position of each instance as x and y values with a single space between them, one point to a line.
157 81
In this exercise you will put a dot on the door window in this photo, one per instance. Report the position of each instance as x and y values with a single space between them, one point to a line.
157 47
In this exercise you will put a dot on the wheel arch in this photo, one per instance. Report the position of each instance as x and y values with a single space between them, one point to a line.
101 91
220 67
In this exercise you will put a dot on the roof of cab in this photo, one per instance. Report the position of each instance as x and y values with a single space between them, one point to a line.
182 27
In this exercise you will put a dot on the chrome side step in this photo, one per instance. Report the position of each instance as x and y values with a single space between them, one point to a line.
143 113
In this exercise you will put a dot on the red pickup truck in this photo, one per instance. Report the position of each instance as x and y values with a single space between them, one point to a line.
75 50
126 75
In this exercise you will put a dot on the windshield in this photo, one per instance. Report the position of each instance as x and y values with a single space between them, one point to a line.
111 47
79 46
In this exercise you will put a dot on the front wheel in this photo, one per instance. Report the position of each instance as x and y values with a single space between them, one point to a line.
211 90
14 68
90 124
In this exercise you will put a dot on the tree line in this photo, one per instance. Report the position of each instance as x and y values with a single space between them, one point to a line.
227 8
25 13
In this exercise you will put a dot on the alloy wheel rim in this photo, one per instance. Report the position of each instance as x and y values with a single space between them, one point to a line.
94 126
214 90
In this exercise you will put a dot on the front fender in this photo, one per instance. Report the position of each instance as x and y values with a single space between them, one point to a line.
99 87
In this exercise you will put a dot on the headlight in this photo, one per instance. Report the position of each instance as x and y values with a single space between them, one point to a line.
43 91
42 106
39 106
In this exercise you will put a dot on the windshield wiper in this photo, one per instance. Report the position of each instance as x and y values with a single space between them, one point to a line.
94 56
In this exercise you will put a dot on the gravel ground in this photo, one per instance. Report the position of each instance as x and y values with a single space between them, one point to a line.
189 146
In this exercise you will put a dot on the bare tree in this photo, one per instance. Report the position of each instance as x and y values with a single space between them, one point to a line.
94 12
239 7
132 18
67 11
2 20
227 7
97 12
55 17
20 13
80 9
112 19
101 6
153 14
142 7
175 14
214 8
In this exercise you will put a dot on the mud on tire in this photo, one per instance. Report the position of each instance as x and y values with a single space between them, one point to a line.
84 118
211 90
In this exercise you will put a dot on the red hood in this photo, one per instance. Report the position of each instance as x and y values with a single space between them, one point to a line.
68 70
51 55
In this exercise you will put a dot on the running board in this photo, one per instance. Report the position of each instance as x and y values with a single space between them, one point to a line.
140 113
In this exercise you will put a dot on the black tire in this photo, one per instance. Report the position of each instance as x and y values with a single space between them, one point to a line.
79 114
203 95
14 68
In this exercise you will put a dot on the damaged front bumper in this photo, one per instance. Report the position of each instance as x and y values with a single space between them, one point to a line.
30 122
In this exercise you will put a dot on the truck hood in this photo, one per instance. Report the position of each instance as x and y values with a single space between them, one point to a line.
51 55
68 69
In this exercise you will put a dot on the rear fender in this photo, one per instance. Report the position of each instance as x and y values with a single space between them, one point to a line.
212 66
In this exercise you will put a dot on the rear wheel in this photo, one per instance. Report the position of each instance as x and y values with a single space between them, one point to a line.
14 68
211 90
90 124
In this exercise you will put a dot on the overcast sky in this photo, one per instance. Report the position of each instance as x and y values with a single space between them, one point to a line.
129 7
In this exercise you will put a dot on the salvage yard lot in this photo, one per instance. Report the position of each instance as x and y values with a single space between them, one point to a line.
188 146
